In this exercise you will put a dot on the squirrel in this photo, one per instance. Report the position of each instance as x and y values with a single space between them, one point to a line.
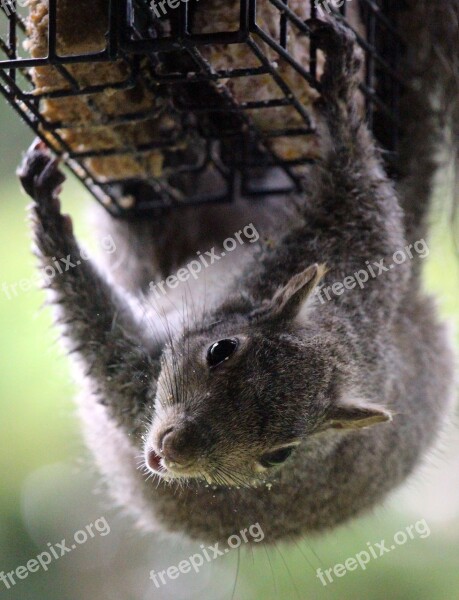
254 399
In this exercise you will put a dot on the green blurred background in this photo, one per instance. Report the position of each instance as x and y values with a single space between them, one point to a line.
49 489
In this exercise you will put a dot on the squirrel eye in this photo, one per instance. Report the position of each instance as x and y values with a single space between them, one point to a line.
273 459
221 351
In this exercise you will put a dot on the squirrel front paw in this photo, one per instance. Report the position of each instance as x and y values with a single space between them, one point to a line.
343 57
39 173
42 179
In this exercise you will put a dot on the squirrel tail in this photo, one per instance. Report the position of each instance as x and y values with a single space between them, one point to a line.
429 105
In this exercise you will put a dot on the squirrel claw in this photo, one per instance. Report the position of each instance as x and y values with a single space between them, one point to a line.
40 176
344 57
331 36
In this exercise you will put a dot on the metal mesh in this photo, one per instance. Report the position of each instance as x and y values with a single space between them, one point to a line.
216 138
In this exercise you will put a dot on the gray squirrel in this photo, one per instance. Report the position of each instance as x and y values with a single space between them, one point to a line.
248 398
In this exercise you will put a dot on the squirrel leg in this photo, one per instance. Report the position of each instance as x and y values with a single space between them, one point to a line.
340 79
99 324
353 202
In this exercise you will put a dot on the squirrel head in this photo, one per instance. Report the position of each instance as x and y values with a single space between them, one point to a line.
238 396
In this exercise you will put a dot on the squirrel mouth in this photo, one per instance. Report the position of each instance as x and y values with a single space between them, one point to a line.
154 462
166 469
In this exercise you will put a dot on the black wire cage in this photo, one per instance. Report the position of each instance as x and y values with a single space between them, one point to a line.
183 132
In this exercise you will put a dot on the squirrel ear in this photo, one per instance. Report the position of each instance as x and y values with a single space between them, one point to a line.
356 415
289 299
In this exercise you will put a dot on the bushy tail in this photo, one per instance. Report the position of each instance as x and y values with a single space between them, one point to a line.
430 104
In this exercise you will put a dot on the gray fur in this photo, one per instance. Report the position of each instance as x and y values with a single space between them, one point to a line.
363 382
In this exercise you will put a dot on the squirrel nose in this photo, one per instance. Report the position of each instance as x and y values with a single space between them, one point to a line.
177 444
